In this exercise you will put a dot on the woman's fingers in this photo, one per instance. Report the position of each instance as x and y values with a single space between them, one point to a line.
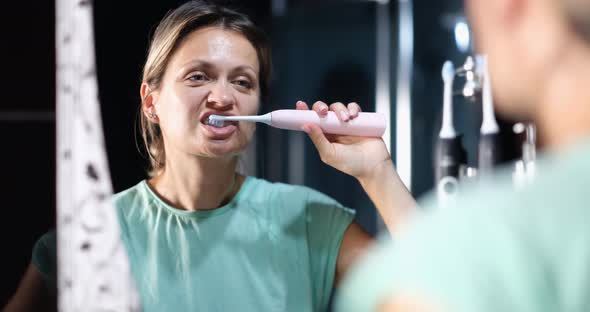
320 107
341 111
353 109
317 136
301 105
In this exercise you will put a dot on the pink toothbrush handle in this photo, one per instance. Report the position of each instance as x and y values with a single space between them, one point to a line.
365 124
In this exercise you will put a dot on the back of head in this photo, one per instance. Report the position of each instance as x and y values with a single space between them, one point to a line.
529 41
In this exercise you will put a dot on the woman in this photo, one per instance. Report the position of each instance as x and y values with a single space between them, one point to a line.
201 236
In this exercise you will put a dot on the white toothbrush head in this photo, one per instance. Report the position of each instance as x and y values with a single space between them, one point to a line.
448 71
216 121
447 130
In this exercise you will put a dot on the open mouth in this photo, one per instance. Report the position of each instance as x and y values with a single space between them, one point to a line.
208 121
218 129
215 122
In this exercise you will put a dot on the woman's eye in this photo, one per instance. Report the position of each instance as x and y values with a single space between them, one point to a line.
243 83
197 77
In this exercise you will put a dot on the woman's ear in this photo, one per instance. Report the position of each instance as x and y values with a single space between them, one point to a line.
149 99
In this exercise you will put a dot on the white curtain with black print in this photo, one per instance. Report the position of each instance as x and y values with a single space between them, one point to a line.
93 269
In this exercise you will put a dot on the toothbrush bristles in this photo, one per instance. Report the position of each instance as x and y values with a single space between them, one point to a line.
213 121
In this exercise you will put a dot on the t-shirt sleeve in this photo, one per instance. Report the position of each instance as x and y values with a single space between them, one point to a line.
461 260
326 221
420 262
44 258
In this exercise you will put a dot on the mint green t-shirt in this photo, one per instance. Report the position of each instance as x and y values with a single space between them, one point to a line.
498 249
272 248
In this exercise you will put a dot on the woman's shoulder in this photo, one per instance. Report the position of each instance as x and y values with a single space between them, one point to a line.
130 192
137 195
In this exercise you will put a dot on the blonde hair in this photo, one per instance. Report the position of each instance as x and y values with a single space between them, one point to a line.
169 35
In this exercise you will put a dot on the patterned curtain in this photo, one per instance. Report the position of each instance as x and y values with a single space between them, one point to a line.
93 267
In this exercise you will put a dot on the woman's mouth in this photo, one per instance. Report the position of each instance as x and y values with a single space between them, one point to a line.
215 122
218 130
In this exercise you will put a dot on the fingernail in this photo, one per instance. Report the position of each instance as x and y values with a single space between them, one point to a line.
344 115
323 108
306 129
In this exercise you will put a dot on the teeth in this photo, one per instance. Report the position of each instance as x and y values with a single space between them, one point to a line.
215 122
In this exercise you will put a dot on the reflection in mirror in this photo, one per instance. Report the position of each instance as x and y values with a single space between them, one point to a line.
195 220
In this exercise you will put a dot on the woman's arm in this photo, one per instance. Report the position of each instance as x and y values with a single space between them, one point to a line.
32 294
387 192
367 160
354 245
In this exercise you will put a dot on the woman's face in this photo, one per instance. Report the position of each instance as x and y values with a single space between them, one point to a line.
214 71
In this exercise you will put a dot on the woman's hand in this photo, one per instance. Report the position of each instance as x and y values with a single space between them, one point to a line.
364 158
357 156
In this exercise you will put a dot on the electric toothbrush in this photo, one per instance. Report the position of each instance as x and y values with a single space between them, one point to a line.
365 124
490 152
447 130
450 155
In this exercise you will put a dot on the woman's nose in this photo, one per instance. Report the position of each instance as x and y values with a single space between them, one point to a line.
220 96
